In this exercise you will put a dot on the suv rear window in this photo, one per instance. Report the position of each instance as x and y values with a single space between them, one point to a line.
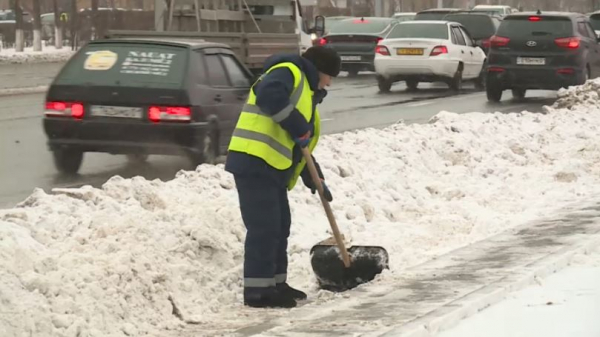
523 26
478 26
419 30
126 64
360 25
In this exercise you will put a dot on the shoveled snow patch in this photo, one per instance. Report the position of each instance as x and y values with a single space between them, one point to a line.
138 257
48 54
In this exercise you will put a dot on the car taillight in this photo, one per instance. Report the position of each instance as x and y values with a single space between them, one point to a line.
495 70
486 43
535 18
439 50
566 71
64 109
568 42
169 114
499 41
322 41
382 50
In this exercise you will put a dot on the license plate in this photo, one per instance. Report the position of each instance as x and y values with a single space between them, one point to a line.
116 111
409 51
350 58
531 61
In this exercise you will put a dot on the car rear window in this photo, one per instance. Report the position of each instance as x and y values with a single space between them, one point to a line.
431 16
478 26
420 31
359 25
126 64
528 26
595 21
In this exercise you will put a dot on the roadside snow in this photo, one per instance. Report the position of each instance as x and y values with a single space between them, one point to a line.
48 54
136 257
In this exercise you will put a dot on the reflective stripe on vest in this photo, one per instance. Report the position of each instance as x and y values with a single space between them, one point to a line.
259 134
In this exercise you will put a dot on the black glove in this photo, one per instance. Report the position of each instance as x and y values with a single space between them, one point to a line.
308 182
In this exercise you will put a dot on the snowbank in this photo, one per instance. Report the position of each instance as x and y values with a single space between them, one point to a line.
48 54
137 257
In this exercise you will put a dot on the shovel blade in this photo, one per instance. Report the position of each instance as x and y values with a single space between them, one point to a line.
366 263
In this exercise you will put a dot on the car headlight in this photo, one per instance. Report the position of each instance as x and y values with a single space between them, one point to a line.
313 36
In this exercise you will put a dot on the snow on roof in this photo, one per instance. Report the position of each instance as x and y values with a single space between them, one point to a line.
118 259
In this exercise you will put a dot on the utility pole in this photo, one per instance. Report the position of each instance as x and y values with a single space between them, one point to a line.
440 3
379 8
37 26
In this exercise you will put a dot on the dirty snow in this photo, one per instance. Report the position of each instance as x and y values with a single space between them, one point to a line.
138 257
48 54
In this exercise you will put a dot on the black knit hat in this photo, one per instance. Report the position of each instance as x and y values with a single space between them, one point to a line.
326 60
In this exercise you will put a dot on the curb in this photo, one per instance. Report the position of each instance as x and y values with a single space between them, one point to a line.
453 312
23 91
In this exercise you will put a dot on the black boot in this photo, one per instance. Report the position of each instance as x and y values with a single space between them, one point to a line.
290 292
267 298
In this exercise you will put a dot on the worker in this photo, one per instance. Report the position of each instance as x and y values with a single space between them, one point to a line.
279 117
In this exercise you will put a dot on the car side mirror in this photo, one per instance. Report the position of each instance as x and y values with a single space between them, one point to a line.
319 28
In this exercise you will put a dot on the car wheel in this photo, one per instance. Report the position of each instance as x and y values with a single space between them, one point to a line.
480 81
67 161
137 158
519 93
385 85
493 93
456 82
209 149
412 85
352 72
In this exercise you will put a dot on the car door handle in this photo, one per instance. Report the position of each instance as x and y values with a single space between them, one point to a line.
218 98
462 51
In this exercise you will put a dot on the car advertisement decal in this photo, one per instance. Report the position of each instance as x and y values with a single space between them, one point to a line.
100 60
147 63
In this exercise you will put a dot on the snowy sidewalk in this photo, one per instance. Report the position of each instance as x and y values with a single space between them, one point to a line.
436 295
564 304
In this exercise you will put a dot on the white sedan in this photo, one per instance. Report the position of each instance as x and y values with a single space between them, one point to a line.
428 51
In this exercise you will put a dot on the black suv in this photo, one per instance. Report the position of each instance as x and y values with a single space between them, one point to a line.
545 51
145 96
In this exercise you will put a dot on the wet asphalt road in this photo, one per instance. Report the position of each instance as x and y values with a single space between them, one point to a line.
352 103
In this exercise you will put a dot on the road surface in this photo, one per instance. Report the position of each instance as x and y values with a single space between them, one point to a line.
351 104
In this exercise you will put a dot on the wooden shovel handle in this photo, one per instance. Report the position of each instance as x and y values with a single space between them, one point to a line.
317 181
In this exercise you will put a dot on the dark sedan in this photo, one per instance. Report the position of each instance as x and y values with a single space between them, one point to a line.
355 40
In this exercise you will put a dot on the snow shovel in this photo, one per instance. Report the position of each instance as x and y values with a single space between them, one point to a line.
336 268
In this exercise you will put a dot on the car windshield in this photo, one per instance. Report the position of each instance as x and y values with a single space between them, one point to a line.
540 26
126 64
595 21
420 31
360 26
430 16
478 26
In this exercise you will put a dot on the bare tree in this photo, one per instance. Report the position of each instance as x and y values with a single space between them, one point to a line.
73 23
94 19
37 26
58 26
19 34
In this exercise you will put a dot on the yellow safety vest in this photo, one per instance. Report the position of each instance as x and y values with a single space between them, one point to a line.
260 135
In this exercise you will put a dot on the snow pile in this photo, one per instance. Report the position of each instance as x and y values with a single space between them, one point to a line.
48 54
579 97
137 257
